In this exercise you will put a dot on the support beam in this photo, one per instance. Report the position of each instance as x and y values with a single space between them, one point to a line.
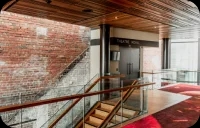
198 65
166 60
104 58
5 4
104 49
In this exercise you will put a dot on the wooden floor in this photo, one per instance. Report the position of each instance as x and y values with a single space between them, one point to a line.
157 101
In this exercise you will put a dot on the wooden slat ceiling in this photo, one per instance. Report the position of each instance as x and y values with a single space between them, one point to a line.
157 16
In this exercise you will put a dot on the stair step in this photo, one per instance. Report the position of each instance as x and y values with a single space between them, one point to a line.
104 109
124 115
100 112
110 124
94 124
89 126
107 106
124 106
118 119
95 121
128 111
113 121
109 102
99 116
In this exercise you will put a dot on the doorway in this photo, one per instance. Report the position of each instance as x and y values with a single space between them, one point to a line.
129 63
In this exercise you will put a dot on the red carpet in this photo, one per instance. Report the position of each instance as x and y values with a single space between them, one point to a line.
181 115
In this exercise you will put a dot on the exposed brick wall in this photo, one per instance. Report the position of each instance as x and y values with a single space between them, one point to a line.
33 51
152 58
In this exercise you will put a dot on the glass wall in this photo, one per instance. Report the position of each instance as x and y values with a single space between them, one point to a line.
184 55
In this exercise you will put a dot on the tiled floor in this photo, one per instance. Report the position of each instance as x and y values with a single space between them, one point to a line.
158 100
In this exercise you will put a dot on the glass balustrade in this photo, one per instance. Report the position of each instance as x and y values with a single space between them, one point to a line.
106 109
171 76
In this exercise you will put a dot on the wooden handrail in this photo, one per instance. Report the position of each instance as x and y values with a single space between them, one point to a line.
77 100
48 101
53 100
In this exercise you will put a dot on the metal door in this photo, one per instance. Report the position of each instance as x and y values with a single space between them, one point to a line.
129 62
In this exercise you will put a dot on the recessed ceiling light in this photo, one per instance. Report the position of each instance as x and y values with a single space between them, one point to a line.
116 17
87 10
155 27
48 1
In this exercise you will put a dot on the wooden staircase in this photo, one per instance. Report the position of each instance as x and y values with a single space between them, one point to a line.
99 113
106 113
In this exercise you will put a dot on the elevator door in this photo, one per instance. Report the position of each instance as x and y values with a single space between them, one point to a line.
129 62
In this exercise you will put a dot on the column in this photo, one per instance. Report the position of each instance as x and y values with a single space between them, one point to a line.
104 57
166 60
104 49
198 66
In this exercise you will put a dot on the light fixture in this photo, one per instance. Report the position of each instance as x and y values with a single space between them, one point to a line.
48 1
87 10
116 17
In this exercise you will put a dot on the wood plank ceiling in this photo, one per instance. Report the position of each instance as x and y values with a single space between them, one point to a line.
167 17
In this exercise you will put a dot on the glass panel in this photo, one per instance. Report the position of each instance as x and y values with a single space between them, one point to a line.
132 105
187 76
184 55
171 76
65 122
109 104
73 113
144 100
78 112
37 116
11 118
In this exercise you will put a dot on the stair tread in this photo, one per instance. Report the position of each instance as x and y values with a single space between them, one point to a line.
128 111
92 123
89 126
127 115
95 119
117 118
124 115
110 124
113 121
124 106
119 113
100 112
104 109
107 105
99 116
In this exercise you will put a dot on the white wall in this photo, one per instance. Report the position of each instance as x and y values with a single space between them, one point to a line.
94 54
94 60
121 33
132 34
95 34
